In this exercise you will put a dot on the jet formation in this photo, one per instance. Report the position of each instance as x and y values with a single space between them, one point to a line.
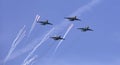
74 18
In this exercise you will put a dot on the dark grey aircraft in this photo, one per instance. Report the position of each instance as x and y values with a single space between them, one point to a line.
57 38
72 18
85 29
44 22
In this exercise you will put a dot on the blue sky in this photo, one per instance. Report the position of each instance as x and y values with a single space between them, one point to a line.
100 47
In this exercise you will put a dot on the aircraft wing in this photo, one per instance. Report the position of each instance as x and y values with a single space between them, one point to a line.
80 28
67 18
53 37
90 30
40 21
50 23
78 19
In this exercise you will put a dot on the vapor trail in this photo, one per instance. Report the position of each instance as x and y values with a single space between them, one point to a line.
44 39
16 41
20 38
70 27
30 60
85 8
31 29
23 50
34 23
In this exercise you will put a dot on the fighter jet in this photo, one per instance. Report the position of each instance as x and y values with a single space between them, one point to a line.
85 29
44 22
57 38
72 18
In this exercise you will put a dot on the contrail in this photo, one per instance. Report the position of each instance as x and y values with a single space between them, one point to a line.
44 39
29 47
85 8
34 23
30 60
70 27
20 38
78 12
23 50
18 35
32 27
16 41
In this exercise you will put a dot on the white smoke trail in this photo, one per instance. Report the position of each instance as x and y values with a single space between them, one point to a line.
37 18
18 35
69 28
30 60
20 38
29 47
17 40
85 8
34 23
44 39
23 51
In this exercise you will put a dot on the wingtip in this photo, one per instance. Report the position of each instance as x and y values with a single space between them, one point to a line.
92 30
79 19
63 39
65 17
78 28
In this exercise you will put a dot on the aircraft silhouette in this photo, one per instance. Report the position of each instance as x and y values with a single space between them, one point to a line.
57 38
72 18
44 22
85 29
